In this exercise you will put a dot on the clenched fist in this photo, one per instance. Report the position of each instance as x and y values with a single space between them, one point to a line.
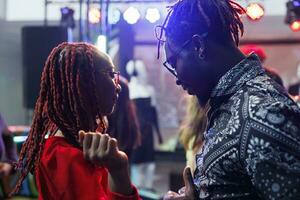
103 150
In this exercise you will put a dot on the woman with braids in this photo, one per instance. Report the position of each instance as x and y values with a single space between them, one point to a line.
78 160
252 138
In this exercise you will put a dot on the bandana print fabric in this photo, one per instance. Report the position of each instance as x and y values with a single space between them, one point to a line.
252 141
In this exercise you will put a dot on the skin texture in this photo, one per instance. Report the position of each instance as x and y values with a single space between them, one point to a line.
201 64
107 89
186 193
103 151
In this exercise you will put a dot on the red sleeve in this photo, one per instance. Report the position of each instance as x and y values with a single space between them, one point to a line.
65 174
116 196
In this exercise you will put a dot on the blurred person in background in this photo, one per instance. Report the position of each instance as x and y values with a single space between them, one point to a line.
260 52
191 132
294 89
8 155
251 48
144 97
123 123
8 149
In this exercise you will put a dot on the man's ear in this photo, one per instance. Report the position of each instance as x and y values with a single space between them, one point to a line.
198 45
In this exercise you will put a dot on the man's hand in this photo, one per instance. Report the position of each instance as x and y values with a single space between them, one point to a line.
186 193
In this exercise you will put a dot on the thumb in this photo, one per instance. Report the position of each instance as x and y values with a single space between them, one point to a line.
190 189
112 145
81 136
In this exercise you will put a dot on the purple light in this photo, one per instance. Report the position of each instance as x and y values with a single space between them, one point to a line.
65 10
296 3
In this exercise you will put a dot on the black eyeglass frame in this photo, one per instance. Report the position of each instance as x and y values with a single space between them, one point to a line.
168 65
114 75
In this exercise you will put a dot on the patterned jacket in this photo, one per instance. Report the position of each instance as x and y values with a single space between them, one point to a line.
252 141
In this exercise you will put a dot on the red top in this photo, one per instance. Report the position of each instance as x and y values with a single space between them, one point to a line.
63 173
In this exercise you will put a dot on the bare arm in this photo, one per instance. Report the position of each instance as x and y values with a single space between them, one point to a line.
103 151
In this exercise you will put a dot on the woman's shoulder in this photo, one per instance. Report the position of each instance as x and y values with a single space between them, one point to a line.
62 171
59 142
59 148
59 154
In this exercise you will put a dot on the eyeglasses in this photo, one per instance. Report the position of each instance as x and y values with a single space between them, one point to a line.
170 63
114 75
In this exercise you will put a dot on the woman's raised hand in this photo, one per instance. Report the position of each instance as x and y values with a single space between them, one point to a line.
102 150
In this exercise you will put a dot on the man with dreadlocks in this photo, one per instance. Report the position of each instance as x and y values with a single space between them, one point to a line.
252 140
78 88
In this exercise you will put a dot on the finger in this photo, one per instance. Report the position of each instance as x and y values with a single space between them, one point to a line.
87 140
112 146
189 182
181 190
81 136
187 177
171 193
95 141
103 143
173 196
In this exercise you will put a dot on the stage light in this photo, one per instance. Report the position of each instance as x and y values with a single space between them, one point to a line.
293 15
101 43
295 26
67 17
255 11
94 15
114 16
152 15
131 15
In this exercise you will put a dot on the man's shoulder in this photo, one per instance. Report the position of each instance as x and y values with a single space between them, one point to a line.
263 94
267 109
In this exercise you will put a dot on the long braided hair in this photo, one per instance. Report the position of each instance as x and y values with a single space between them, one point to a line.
67 102
220 19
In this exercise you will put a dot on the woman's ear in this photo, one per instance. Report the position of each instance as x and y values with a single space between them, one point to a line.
198 45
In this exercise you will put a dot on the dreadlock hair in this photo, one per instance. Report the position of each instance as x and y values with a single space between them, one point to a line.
220 19
67 101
